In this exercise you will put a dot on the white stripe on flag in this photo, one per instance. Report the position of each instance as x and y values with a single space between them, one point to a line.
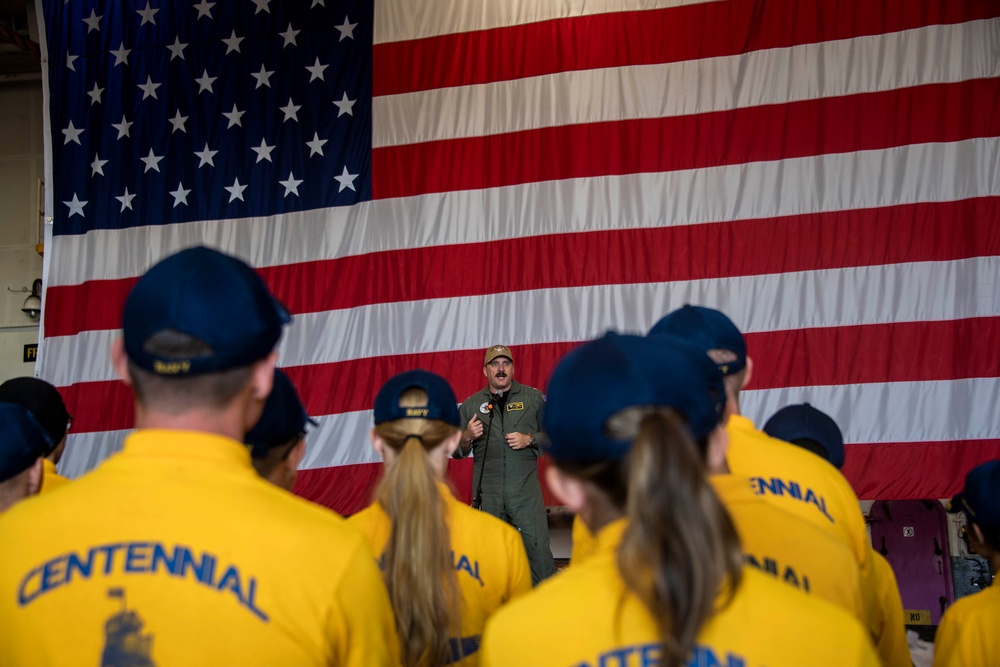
397 20
925 291
893 411
937 172
935 54
868 413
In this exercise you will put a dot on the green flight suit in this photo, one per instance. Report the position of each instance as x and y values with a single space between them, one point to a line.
511 490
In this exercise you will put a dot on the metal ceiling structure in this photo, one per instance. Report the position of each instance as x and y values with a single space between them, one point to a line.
20 55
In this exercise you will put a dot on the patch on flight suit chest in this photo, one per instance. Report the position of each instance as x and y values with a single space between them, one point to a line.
515 406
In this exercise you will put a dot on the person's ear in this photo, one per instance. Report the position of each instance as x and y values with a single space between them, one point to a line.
485 374
747 374
120 360
451 443
295 455
378 444
35 473
262 376
718 447
568 489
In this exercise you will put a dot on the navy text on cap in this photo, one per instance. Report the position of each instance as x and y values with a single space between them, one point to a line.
441 402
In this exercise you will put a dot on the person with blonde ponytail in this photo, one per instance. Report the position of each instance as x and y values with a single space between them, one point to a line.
447 566
665 583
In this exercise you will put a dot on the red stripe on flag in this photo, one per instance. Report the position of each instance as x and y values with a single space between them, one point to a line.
870 121
901 352
349 489
909 470
865 237
666 35
914 470
344 489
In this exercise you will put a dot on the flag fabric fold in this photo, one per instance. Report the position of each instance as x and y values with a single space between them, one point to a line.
418 180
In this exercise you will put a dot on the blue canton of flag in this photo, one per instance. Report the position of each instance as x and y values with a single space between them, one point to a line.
166 111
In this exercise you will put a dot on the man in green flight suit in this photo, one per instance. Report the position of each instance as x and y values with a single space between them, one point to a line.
503 427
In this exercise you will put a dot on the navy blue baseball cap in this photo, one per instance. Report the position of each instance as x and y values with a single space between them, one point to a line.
213 297
22 440
980 499
707 329
797 422
607 375
44 403
284 418
441 402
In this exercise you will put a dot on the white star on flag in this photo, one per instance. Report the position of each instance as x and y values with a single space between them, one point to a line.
121 55
346 180
205 82
206 156
122 127
316 145
149 88
151 161
72 134
234 117
70 60
291 110
93 22
75 206
318 3
316 70
344 106
177 49
95 94
97 166
232 43
147 15
289 36
126 200
204 9
261 6
178 122
263 77
180 195
346 29
235 191
291 185
263 151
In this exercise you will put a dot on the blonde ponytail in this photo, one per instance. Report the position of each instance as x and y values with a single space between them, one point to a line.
417 564
680 549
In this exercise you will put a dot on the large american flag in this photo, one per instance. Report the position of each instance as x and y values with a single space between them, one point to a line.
420 179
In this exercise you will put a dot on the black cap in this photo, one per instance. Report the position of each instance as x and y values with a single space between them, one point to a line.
706 329
980 498
630 371
44 403
441 402
210 296
283 419
22 440
804 422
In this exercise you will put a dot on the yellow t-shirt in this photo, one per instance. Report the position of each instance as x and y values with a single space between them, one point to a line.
890 638
789 548
590 619
175 552
804 484
51 479
969 634
489 558
584 541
